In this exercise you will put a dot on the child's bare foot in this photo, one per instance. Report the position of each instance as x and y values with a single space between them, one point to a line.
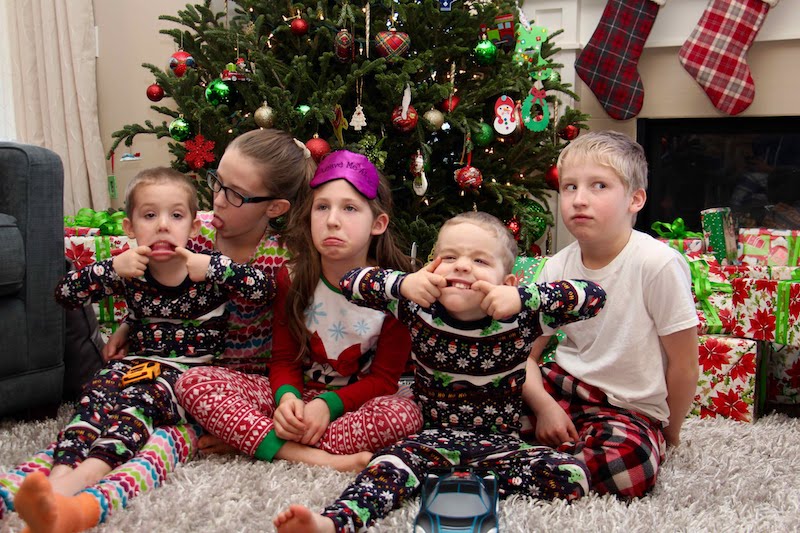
351 463
209 444
60 470
299 519
45 511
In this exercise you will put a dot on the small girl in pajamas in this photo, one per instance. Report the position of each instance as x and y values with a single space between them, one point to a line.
178 319
335 366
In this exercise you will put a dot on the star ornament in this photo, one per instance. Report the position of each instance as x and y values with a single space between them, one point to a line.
199 151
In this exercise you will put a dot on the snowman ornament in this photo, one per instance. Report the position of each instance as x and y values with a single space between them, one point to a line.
505 120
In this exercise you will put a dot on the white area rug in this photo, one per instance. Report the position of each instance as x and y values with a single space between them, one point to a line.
725 477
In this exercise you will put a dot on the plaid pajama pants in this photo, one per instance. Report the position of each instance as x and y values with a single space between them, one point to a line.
621 449
238 409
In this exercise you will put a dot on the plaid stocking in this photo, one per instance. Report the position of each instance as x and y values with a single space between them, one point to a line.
608 62
715 52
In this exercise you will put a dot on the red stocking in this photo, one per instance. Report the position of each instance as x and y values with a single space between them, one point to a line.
715 52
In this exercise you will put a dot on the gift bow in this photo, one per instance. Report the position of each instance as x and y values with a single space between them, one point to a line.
703 288
108 223
676 230
782 309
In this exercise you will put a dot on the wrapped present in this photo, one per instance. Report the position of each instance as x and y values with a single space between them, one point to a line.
82 251
767 310
728 386
784 272
746 271
88 222
771 247
713 295
783 374
719 234
676 236
527 269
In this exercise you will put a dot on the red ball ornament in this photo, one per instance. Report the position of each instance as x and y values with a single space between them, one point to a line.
155 92
569 132
535 251
299 26
407 124
319 148
449 105
468 178
514 227
551 177
180 61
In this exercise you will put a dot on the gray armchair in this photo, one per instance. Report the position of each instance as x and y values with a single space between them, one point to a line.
31 263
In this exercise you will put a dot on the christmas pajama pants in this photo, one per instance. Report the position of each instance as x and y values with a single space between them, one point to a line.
238 409
621 449
113 422
396 473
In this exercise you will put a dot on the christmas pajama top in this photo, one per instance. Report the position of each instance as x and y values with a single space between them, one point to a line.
470 374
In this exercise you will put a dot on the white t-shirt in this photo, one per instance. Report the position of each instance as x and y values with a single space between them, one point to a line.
648 289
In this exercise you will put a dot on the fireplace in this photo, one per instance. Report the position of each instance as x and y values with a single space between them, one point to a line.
750 164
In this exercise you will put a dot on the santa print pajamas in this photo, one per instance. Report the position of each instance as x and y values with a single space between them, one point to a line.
621 448
468 380
355 360
175 326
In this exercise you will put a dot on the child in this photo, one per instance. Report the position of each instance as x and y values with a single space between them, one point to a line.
259 164
335 367
471 332
177 316
623 382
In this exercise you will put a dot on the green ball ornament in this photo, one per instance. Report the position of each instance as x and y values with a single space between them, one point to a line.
180 130
484 136
533 224
485 52
218 92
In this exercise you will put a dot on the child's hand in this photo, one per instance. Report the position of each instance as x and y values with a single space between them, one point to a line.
117 345
499 301
132 262
554 426
423 287
317 417
196 264
288 418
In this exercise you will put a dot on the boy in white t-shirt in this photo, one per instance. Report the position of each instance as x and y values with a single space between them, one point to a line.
621 384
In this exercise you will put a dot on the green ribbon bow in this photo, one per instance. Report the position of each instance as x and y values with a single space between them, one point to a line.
703 288
782 310
109 223
676 230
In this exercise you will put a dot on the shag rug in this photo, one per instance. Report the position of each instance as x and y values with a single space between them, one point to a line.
725 476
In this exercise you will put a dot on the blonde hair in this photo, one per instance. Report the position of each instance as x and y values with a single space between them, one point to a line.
506 245
159 176
611 149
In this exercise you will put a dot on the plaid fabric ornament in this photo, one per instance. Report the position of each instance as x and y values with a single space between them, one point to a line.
392 44
715 52
608 62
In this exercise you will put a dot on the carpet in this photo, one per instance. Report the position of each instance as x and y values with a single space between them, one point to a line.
725 477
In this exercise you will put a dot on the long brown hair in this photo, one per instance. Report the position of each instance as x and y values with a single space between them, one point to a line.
305 263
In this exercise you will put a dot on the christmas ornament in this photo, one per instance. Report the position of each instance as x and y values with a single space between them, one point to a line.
155 92
180 61
484 136
450 103
607 64
569 132
507 122
339 124
358 120
534 224
445 5
318 147
264 116
551 177
406 123
235 71
343 45
299 26
179 129
434 119
468 178
485 52
529 50
514 227
503 33
392 44
714 54
535 250
535 101
218 92
417 167
199 151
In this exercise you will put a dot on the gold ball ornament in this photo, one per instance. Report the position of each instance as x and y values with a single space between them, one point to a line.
264 116
434 119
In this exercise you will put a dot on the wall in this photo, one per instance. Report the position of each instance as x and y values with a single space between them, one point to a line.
670 92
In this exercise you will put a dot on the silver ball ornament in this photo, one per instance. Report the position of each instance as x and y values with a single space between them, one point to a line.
434 118
264 116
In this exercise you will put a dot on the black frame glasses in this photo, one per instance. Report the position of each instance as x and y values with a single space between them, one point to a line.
234 198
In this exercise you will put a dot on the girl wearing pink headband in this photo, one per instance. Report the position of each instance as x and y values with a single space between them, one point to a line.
335 367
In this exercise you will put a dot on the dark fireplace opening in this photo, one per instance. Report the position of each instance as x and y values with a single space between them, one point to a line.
751 165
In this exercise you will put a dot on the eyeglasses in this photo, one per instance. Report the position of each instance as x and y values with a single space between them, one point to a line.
233 197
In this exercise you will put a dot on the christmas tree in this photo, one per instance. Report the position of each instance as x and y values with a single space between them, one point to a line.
458 103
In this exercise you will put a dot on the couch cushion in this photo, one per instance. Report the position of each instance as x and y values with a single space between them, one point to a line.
12 250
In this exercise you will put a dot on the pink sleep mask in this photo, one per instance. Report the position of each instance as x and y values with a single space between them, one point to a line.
346 165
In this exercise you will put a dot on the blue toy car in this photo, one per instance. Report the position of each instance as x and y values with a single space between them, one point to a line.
459 500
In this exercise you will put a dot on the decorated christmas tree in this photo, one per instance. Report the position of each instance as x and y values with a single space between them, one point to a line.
458 103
